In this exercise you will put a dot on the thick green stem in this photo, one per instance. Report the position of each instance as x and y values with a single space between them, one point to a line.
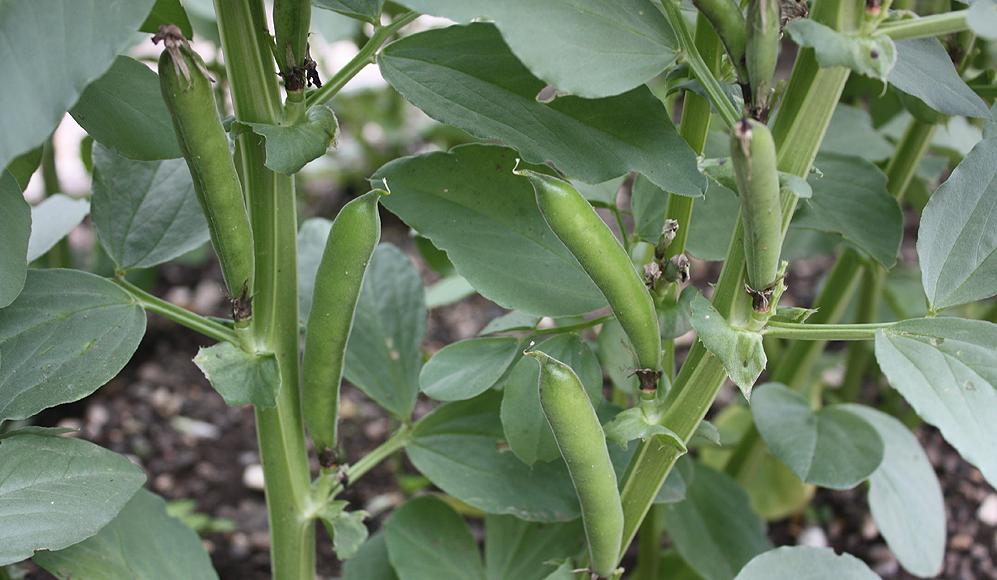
181 316
274 328
936 25
801 123
695 60
649 548
362 59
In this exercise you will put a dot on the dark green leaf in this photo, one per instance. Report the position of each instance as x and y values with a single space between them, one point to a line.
616 356
924 70
590 48
792 563
52 220
241 378
24 166
383 356
53 49
957 240
851 133
511 321
469 203
740 351
124 111
905 497
459 448
465 369
526 429
465 76
167 12
427 539
946 368
714 529
851 199
291 147
55 492
146 212
872 56
68 333
311 244
713 222
15 230
368 10
371 562
143 541
527 550
831 447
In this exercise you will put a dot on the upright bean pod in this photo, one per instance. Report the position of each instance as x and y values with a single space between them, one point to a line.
592 243
582 443
352 239
754 160
727 20
762 51
186 89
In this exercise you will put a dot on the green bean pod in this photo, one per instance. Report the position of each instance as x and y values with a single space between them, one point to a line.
754 160
352 239
582 443
592 243
762 50
727 20
187 91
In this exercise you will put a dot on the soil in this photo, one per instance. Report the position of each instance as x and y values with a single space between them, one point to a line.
162 413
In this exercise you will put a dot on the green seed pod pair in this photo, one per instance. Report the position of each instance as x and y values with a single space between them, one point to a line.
727 20
582 443
762 51
592 243
753 154
352 239
187 91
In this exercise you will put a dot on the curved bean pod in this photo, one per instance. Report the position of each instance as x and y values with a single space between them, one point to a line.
582 443
762 51
354 235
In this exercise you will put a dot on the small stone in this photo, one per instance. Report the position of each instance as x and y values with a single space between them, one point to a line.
988 510
961 542
869 529
252 477
194 428
813 537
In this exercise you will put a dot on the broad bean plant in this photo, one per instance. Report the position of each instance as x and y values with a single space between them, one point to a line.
641 178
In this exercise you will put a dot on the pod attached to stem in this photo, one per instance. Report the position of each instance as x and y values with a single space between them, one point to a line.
352 239
186 88
582 443
762 52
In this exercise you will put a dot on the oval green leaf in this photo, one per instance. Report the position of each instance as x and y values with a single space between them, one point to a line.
465 369
792 563
427 539
15 231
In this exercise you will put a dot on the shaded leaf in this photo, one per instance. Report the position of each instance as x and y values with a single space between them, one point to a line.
124 111
946 368
291 147
465 76
905 497
872 56
70 489
52 220
370 562
427 539
15 230
740 351
45 72
241 378
790 563
383 355
143 541
68 333
167 12
510 321
527 550
145 212
368 10
924 70
486 219
831 447
590 48
851 126
312 236
465 369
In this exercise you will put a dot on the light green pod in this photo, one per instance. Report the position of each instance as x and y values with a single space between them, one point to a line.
753 154
187 91
352 239
762 50
727 20
582 443
592 243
